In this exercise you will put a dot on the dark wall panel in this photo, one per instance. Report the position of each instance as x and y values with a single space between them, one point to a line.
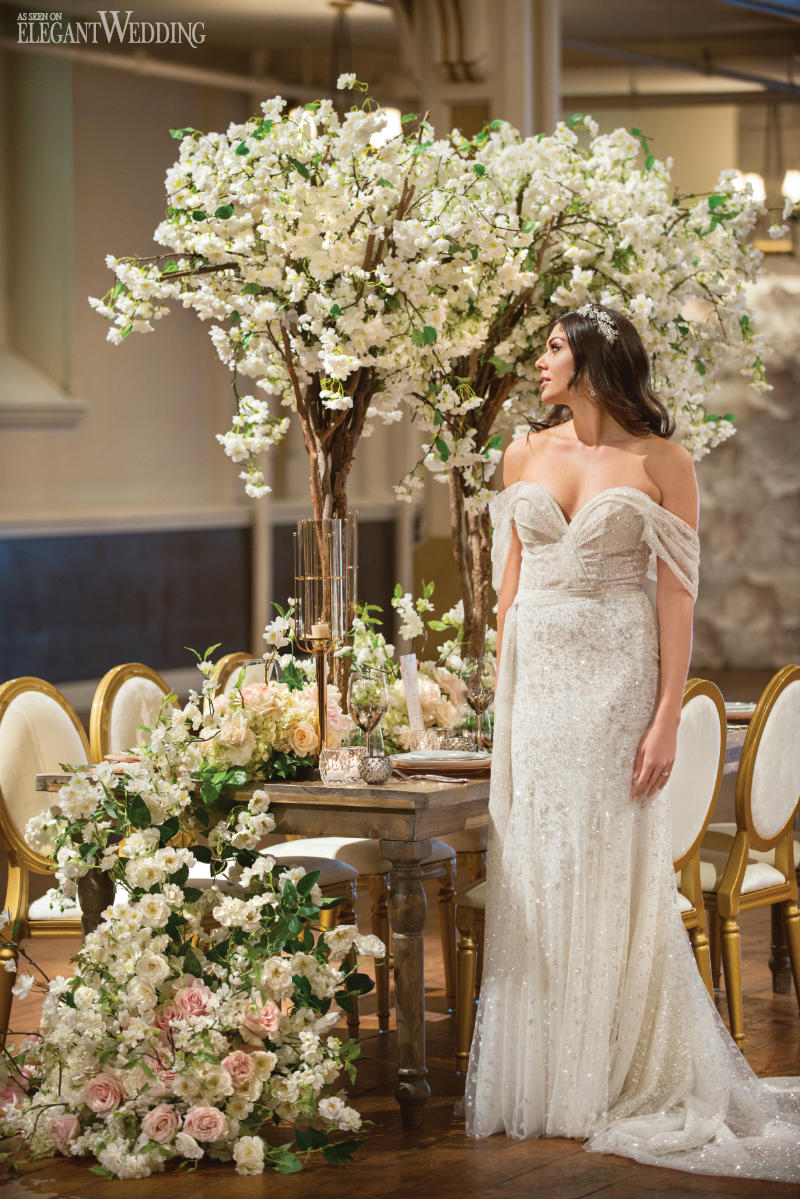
72 607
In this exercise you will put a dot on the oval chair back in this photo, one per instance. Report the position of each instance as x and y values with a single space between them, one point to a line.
697 772
127 701
692 792
768 782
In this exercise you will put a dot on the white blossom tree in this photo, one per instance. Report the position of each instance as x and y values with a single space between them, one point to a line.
542 225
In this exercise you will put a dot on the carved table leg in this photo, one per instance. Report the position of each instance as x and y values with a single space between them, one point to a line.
95 894
407 907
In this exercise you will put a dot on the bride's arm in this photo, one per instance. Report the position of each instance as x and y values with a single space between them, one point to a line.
512 468
674 474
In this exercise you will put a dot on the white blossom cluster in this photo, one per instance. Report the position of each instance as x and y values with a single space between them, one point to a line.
543 225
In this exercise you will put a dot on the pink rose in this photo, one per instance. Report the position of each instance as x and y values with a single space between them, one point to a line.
103 1094
193 999
241 1068
62 1130
161 1123
261 1023
170 1013
11 1092
261 697
205 1123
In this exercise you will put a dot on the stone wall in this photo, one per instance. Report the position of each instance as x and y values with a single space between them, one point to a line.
748 610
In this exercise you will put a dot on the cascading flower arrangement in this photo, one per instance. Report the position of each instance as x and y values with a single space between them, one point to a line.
545 224
201 1008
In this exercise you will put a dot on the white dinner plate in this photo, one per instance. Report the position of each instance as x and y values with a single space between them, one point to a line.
419 756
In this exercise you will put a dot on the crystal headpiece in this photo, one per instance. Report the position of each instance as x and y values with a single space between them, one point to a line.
601 321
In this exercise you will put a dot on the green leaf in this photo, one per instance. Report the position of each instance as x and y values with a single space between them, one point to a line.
501 366
442 452
649 162
717 201
168 830
202 853
191 964
334 310
242 149
178 134
253 289
102 1170
341 1152
576 119
359 984
426 336
479 169
409 116
300 168
438 626
385 183
495 442
312 105
139 813
305 884
310 1138
198 215
731 416
224 211
526 227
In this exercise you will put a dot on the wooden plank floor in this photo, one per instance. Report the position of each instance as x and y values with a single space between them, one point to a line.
441 1161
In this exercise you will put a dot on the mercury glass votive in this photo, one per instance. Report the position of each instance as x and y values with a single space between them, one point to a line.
341 767
376 769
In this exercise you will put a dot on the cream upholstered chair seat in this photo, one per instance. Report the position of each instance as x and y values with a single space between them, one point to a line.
473 896
127 701
735 879
362 853
331 873
684 904
757 875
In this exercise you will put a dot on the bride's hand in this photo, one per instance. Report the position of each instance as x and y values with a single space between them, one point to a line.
654 759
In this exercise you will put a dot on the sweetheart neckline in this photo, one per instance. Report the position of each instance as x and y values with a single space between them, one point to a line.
568 523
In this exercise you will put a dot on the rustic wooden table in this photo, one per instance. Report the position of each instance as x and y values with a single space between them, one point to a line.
404 816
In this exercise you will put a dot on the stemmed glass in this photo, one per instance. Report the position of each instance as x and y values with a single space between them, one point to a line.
479 692
367 701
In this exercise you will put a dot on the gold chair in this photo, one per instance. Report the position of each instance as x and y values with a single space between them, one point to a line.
127 701
735 880
227 668
38 732
364 855
692 793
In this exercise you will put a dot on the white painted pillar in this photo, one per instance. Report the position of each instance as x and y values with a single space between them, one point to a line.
526 64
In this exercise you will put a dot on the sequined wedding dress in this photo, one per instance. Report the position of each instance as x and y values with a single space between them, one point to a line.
593 1020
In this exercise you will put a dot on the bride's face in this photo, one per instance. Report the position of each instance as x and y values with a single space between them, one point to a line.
555 367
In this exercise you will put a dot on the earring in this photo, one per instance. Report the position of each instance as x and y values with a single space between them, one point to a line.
592 391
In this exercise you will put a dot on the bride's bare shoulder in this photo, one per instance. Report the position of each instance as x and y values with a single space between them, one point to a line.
518 454
671 468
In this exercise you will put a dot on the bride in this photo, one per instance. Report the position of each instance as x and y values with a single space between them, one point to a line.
593 1020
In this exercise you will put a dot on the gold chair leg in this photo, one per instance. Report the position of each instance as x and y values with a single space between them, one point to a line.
379 893
699 941
7 979
347 915
731 965
791 922
447 926
714 945
465 997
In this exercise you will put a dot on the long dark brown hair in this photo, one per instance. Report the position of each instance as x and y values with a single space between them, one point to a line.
617 370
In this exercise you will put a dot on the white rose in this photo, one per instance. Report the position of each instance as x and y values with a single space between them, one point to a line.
303 739
248 1153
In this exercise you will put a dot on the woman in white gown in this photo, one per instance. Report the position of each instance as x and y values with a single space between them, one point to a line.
593 1020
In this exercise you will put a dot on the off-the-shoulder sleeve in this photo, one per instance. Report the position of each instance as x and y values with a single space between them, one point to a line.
676 544
501 511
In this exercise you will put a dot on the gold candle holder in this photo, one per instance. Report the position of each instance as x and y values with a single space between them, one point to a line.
325 578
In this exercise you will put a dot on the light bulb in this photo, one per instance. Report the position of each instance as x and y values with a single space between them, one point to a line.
790 188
